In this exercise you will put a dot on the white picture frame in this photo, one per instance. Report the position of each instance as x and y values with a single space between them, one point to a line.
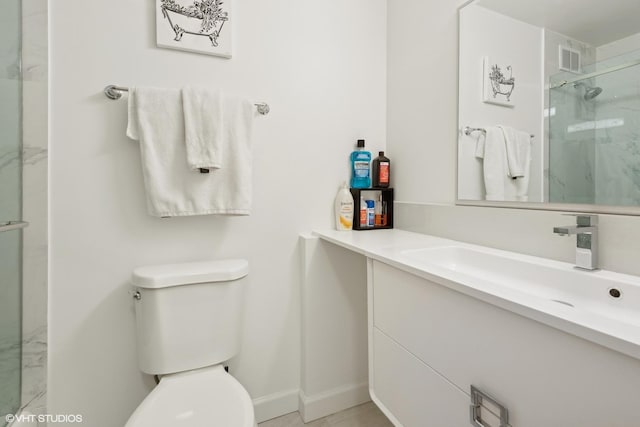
200 26
498 83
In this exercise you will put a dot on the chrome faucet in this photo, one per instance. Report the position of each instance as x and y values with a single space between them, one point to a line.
586 231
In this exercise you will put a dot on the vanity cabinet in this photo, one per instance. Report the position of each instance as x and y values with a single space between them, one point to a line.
429 344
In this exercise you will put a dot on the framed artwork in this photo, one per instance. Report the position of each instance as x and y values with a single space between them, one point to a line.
498 84
201 26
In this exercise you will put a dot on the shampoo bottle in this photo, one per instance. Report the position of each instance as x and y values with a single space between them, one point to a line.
363 216
344 209
360 167
381 171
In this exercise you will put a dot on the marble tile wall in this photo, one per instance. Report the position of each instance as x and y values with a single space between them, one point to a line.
34 207
618 134
573 184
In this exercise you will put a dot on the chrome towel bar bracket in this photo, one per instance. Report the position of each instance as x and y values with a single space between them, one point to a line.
115 92
12 225
468 130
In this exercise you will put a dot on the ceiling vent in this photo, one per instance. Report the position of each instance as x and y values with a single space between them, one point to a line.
569 59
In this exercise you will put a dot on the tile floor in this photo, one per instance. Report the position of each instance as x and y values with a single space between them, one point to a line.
365 415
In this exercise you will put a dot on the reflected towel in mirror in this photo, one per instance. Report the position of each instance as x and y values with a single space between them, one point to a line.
499 185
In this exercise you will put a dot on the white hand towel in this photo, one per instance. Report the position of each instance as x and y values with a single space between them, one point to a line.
203 127
522 184
156 119
490 147
518 145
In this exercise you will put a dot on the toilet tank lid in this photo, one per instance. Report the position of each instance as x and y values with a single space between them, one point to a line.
162 276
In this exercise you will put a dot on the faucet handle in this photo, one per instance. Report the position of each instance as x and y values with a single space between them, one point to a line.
584 220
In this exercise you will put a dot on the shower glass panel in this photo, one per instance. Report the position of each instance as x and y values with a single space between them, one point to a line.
594 134
10 208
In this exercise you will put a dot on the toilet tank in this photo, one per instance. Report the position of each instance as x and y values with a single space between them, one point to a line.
188 315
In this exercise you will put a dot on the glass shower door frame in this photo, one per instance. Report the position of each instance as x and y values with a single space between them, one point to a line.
11 241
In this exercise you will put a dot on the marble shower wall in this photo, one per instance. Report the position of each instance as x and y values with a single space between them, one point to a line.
566 109
618 133
594 156
34 204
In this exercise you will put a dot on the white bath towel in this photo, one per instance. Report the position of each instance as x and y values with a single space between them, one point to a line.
499 185
490 147
518 145
203 127
173 189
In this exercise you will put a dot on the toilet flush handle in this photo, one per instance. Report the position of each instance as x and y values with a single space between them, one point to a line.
137 296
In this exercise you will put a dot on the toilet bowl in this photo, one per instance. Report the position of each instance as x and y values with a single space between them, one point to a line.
204 397
188 319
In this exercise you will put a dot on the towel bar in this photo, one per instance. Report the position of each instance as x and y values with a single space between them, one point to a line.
12 225
115 92
467 130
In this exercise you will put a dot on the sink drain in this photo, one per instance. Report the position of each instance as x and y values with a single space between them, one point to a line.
563 302
615 292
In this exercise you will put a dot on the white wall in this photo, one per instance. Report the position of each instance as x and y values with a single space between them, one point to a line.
322 70
422 98
618 47
486 33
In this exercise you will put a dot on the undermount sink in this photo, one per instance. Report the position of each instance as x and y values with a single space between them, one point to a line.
607 294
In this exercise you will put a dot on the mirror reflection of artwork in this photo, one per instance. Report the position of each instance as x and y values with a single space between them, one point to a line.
202 26
499 83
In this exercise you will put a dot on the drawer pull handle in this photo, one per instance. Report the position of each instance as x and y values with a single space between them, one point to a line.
496 413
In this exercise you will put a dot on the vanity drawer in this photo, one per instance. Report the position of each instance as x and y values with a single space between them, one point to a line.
542 375
414 394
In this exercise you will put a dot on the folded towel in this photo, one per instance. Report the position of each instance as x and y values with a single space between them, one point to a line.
203 127
518 145
499 185
156 119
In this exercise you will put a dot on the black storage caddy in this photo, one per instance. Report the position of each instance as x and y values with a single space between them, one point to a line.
372 194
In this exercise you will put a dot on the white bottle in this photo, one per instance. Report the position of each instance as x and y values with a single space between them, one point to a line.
344 209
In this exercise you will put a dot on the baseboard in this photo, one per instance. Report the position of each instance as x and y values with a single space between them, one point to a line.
332 401
275 405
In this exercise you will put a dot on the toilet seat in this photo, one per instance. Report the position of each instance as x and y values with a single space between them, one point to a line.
207 397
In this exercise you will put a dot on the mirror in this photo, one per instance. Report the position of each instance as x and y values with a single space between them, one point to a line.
549 104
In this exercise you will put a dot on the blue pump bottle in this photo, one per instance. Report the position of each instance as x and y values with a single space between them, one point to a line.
361 167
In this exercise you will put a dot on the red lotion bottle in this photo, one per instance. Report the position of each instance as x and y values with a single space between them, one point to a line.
381 171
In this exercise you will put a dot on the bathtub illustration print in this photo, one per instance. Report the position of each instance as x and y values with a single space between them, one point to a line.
498 83
201 26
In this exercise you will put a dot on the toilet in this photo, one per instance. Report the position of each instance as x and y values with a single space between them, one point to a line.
188 319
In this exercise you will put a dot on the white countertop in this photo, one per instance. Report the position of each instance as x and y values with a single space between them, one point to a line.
387 246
